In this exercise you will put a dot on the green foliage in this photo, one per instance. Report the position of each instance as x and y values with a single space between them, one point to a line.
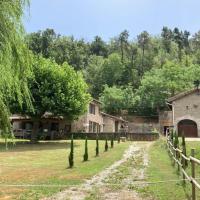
137 76
97 145
112 99
116 99
172 136
159 84
57 89
71 154
112 142
85 156
176 141
14 61
184 150
118 138
106 144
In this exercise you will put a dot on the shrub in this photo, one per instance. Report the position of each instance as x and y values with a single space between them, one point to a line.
176 141
184 149
112 142
172 136
85 156
106 144
97 145
118 138
71 154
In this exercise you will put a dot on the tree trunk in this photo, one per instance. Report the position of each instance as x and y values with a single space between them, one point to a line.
35 131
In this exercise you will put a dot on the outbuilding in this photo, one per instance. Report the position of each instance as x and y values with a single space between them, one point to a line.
186 112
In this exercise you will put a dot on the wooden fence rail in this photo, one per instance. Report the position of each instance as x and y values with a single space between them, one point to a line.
180 159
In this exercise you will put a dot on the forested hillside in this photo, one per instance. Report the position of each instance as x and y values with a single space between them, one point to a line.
133 74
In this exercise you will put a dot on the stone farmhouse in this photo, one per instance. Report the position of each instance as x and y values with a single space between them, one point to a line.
184 114
53 127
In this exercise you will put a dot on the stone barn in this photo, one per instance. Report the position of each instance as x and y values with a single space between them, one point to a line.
186 112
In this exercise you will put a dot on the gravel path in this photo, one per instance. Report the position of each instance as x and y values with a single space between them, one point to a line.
97 181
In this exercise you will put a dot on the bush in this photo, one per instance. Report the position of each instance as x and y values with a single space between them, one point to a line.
106 145
97 145
112 142
71 154
85 156
185 164
176 141
118 138
172 136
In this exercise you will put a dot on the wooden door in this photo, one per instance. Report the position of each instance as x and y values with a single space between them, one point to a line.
189 128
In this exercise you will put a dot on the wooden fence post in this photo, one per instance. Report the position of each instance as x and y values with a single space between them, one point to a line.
193 175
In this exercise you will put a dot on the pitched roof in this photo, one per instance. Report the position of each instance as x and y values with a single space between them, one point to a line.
114 117
182 94
96 101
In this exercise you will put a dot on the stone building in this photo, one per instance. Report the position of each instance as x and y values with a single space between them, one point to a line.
113 124
185 114
54 127
91 121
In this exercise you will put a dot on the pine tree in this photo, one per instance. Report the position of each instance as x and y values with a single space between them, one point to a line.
97 145
112 142
118 138
71 154
176 141
106 144
172 136
85 156
184 149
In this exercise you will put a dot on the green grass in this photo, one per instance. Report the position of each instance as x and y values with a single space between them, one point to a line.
47 163
161 169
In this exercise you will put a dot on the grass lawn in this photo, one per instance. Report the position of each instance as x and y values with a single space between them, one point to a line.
47 163
161 169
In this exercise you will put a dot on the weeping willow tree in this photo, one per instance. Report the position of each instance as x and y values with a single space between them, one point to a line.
14 60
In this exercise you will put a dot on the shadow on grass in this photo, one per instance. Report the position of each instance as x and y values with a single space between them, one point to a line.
21 146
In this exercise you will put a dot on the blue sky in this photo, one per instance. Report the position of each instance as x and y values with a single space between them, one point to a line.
107 18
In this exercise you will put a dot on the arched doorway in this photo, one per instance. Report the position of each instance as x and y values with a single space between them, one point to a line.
189 127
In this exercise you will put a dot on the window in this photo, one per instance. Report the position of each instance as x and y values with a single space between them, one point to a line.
94 127
90 126
92 109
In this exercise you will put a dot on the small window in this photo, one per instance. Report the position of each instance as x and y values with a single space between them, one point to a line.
92 109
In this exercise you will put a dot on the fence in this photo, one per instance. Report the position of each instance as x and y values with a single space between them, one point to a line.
116 135
182 161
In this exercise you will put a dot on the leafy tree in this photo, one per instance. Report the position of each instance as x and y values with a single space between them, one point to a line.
71 154
159 84
85 156
14 61
116 99
167 36
112 99
93 75
41 42
112 70
56 89
98 47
